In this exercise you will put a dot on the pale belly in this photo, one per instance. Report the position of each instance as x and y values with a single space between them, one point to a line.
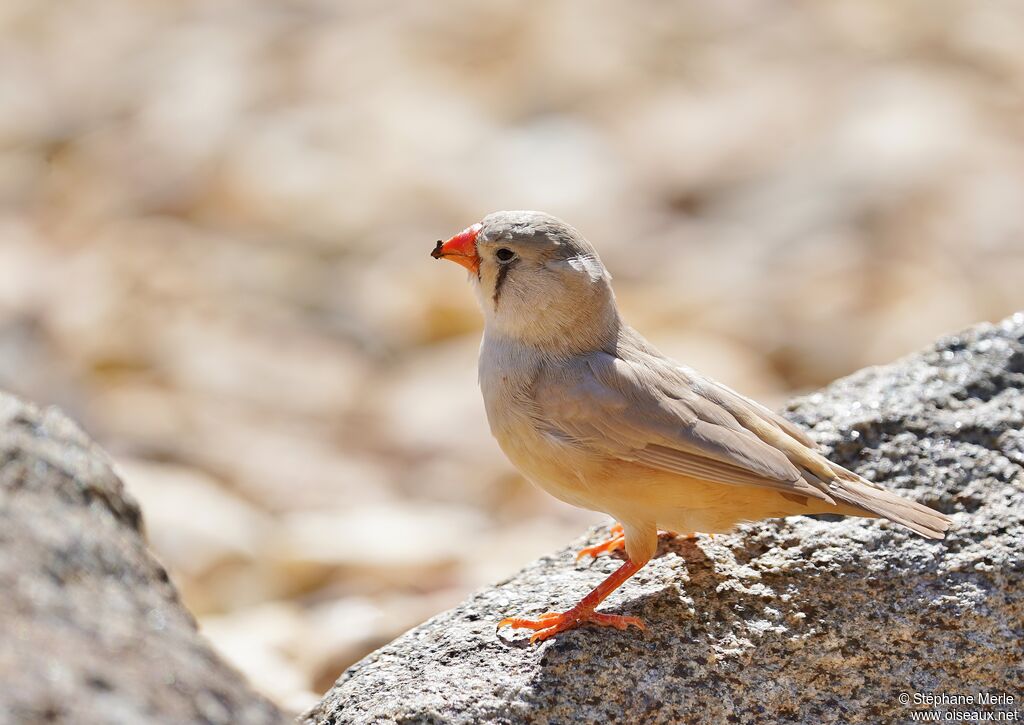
628 491
558 468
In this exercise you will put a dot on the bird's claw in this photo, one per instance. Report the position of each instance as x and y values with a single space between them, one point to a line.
614 543
551 623
605 546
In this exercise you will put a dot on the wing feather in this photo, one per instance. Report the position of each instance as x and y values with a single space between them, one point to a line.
653 414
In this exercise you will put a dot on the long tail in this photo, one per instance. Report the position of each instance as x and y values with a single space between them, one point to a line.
869 499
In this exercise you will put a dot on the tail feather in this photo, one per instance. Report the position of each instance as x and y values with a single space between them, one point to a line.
850 489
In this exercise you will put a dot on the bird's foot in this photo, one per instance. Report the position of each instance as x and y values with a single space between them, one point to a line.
615 542
550 624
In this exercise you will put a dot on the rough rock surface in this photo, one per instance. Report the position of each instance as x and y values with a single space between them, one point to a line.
91 630
799 620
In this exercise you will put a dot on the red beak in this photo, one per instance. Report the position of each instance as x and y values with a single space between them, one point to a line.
461 249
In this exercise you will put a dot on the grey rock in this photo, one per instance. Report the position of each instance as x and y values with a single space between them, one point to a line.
91 630
797 620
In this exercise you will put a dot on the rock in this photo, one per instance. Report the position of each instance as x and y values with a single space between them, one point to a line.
340 631
214 543
91 629
257 641
801 620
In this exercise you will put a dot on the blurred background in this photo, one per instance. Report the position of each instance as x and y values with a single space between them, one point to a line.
215 220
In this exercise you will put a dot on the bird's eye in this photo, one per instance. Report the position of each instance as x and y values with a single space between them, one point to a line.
505 255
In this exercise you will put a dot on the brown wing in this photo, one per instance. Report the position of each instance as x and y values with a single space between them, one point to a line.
653 415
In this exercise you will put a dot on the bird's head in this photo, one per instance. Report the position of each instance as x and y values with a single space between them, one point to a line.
537 279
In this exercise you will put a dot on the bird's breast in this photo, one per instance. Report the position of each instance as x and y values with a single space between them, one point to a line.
551 461
555 465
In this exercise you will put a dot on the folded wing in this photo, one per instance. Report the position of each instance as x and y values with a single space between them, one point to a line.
654 414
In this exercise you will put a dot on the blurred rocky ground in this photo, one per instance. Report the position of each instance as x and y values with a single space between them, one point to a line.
215 218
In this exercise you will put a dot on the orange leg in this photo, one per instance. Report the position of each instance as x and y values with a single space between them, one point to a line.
552 623
617 541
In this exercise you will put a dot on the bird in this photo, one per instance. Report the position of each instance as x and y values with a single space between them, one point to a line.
591 412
